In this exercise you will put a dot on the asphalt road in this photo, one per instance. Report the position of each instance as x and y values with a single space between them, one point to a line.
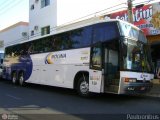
44 103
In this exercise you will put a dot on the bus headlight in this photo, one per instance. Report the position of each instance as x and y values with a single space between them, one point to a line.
130 80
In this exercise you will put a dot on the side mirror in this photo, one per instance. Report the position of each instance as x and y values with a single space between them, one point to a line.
124 50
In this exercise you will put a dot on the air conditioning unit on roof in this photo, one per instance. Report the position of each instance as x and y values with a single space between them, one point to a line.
36 27
24 34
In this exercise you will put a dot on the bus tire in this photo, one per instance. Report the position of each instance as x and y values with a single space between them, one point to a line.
21 79
83 86
14 78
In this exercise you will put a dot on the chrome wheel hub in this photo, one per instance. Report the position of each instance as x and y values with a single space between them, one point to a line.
84 87
21 80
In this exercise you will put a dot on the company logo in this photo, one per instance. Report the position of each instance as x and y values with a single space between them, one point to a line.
54 57
144 75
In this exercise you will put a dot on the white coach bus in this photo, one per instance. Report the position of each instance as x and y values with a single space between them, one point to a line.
100 56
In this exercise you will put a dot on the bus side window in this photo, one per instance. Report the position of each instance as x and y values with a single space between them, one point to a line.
31 49
56 43
96 60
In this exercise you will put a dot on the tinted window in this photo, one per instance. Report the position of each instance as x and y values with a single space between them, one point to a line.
105 32
76 38
81 37
47 44
45 30
56 43
45 3
72 39
13 51
96 54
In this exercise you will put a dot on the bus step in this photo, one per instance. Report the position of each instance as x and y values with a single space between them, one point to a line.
114 82
112 88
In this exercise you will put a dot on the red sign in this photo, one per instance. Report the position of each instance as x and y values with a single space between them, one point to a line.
146 18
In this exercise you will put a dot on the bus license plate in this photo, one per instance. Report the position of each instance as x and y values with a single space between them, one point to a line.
142 88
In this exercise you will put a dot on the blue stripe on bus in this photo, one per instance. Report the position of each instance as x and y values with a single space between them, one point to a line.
26 66
24 63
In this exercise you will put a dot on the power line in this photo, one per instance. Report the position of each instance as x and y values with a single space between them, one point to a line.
55 28
11 7
3 6
4 2
94 14
85 17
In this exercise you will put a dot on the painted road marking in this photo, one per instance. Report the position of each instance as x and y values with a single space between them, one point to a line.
14 97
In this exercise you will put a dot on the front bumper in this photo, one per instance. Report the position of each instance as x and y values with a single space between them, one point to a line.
137 88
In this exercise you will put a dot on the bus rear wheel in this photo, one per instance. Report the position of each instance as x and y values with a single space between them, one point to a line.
14 78
83 86
21 79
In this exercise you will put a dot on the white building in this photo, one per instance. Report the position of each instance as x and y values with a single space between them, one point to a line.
42 17
14 34
45 15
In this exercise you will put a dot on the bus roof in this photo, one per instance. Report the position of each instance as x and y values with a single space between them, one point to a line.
76 25
87 22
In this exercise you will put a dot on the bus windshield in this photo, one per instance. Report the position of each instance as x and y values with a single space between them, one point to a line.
132 32
136 57
136 53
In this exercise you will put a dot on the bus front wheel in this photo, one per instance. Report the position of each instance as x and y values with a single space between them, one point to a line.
83 86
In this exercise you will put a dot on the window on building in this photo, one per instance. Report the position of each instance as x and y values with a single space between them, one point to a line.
45 3
45 30
32 32
1 43
32 7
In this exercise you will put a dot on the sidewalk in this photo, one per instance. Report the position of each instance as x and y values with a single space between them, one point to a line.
155 91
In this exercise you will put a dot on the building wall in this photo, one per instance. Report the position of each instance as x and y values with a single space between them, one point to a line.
41 17
14 34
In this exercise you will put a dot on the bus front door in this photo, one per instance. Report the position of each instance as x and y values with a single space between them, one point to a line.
95 74
111 74
104 73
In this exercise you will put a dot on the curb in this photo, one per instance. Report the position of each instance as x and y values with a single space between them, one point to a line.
155 91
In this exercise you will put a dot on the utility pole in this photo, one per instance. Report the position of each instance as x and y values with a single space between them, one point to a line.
130 13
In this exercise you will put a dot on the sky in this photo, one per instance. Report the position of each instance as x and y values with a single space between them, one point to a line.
13 11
